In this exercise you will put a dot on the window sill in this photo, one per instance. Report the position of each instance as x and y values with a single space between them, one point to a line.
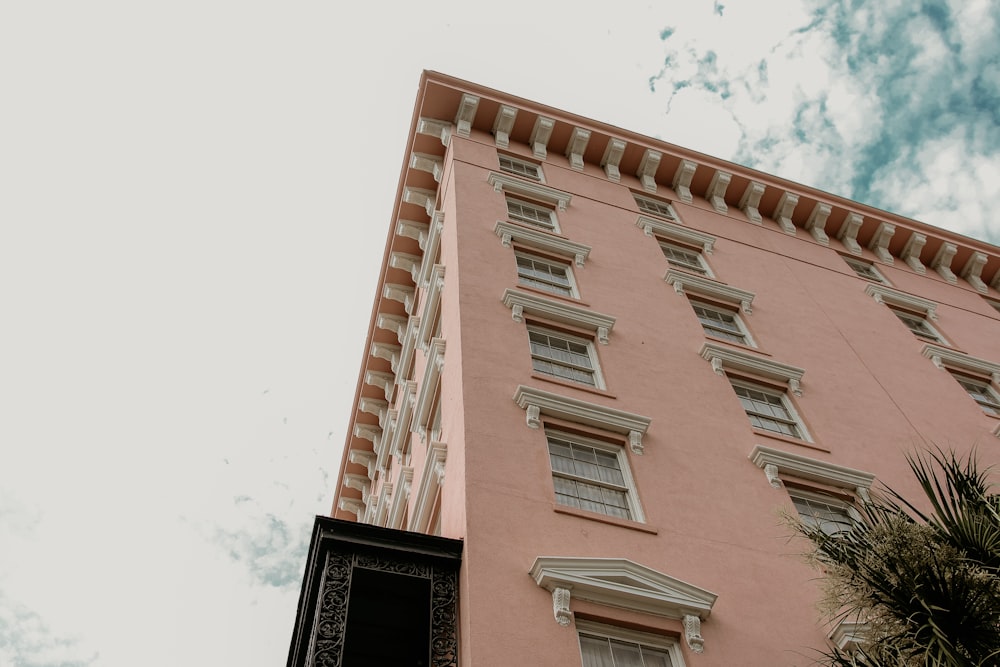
602 518
574 385
794 441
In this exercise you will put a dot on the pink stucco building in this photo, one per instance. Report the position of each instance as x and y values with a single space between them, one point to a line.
614 369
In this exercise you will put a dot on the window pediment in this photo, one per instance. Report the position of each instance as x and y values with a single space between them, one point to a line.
521 303
510 233
945 357
537 191
893 297
775 462
675 232
725 358
686 283
620 582
537 402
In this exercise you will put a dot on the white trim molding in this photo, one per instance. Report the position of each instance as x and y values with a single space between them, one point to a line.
893 297
399 432
522 303
804 467
428 386
848 635
511 233
430 243
725 358
431 480
516 186
432 305
684 283
619 582
675 232
945 358
400 498
538 402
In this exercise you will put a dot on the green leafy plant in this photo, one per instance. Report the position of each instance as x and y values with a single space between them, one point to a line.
926 583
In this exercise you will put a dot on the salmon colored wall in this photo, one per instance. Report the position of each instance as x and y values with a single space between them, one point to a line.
868 397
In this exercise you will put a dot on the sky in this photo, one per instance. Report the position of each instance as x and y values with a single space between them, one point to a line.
194 201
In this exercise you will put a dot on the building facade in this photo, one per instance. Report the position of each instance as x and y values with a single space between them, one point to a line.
615 369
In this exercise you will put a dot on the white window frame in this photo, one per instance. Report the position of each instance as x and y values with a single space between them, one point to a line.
669 645
571 288
658 207
553 227
786 403
523 303
700 267
629 486
527 165
732 312
595 369
984 386
832 502
924 330
538 402
865 270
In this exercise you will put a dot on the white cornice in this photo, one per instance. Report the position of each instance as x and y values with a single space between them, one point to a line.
816 223
944 358
675 232
911 252
682 180
536 191
622 583
783 212
716 192
751 200
510 232
893 297
537 402
612 158
810 469
540 134
647 169
689 283
725 358
526 303
880 241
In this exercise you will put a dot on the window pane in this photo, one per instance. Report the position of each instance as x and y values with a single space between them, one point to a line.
588 477
561 358
683 258
549 276
767 411
626 654
831 518
596 652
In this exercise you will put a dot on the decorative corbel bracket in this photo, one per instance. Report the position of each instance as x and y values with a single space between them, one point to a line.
560 606
503 124
540 135
466 114
783 212
435 128
576 147
848 233
647 169
692 633
816 224
942 262
911 252
612 159
682 180
751 200
880 241
716 193
973 271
